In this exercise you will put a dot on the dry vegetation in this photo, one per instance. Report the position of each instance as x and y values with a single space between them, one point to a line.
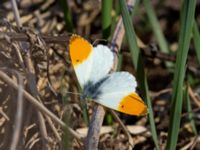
40 65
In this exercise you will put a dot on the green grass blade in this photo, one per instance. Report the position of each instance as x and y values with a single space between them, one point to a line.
135 9
85 112
119 64
189 110
107 25
156 26
106 17
67 16
187 18
136 57
66 137
157 29
196 39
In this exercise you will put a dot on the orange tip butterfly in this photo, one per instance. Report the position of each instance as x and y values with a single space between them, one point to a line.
116 90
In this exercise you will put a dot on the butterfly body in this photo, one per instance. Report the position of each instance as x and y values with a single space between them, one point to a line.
91 90
115 90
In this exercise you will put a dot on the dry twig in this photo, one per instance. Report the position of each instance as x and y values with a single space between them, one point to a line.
19 115
39 106
63 39
92 139
31 77
192 95
124 128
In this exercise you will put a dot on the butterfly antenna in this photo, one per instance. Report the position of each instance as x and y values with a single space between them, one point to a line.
97 40
74 93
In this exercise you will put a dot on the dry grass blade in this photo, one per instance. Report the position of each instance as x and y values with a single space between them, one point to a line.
192 95
39 106
53 128
31 77
4 114
19 115
34 42
99 112
124 128
147 51
16 13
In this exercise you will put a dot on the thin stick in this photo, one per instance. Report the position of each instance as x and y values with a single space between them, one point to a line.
4 114
22 37
34 92
31 77
192 95
16 13
124 128
39 106
63 39
196 139
19 115
191 144
92 139
51 124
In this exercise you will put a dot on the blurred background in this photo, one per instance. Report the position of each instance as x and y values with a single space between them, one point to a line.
34 54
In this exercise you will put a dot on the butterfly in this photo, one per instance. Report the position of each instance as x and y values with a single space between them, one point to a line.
92 65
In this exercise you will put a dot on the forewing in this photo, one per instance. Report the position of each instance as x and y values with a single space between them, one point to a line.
81 53
102 64
91 64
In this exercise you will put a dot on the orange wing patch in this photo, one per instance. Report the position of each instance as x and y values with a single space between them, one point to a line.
79 49
132 104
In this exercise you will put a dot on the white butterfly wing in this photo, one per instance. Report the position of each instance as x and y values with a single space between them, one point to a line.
83 71
102 64
118 93
90 63
81 53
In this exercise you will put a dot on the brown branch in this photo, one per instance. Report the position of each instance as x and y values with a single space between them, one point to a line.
92 139
51 124
16 13
146 50
124 128
18 116
12 36
4 114
31 78
39 106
